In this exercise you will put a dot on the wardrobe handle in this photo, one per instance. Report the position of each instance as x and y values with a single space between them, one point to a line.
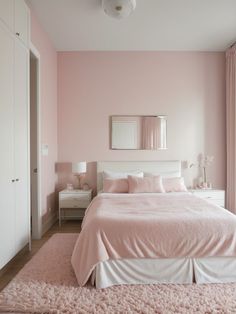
12 180
17 180
18 34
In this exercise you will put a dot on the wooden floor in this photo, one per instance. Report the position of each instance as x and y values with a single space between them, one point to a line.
12 268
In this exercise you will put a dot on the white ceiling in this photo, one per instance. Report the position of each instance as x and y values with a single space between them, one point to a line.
199 25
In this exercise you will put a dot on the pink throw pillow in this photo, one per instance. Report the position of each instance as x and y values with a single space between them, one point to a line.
145 185
115 185
174 184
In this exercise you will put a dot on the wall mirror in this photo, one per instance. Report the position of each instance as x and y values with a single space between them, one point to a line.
138 132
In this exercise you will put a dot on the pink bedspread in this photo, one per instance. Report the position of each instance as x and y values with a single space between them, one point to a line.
151 226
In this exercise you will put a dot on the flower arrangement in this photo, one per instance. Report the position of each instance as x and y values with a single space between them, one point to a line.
204 162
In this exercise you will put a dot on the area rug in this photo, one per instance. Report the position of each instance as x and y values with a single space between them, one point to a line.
47 284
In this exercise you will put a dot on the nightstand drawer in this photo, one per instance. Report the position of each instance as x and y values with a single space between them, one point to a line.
74 202
216 197
75 197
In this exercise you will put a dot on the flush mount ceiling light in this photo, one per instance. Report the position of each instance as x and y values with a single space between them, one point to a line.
118 8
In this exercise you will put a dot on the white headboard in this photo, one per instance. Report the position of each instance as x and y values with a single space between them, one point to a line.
167 168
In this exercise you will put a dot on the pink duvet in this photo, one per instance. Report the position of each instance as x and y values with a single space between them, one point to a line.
118 226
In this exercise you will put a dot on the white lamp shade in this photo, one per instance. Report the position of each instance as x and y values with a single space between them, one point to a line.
79 167
118 8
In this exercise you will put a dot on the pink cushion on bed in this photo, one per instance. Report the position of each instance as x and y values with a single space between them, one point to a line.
115 185
174 184
145 185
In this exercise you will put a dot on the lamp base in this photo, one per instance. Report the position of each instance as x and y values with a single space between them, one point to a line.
79 180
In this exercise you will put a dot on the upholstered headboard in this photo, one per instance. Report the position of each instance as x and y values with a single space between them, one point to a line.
167 168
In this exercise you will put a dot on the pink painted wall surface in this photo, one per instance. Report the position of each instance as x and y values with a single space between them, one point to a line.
188 87
48 94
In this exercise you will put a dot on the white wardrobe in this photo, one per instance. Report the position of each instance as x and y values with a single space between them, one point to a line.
14 128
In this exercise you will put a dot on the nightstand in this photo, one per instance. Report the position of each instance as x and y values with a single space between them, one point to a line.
73 199
214 196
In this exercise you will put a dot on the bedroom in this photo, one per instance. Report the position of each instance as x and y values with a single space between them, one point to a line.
164 59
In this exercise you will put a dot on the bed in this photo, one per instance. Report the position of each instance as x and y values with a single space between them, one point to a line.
154 238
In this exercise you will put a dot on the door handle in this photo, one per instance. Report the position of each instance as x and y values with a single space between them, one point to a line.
35 170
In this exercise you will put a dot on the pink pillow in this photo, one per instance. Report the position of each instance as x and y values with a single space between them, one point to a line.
115 185
145 185
174 184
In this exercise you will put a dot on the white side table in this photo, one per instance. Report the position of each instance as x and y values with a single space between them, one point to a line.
214 196
73 199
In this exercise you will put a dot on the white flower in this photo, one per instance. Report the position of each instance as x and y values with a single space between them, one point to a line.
205 160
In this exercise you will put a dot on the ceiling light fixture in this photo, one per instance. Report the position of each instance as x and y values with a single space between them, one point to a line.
118 9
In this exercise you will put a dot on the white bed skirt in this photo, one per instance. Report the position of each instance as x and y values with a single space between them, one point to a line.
153 271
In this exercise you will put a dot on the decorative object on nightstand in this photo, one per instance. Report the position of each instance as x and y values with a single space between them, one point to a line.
216 197
73 199
86 187
204 162
79 169
69 186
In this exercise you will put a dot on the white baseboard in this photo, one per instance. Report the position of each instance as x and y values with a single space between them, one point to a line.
49 223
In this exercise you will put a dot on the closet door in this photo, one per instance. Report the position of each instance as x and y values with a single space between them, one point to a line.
7 13
7 213
22 216
22 19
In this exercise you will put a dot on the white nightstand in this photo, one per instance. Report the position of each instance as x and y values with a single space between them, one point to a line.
214 196
74 199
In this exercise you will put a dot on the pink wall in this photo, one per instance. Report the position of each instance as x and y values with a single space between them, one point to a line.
188 87
48 94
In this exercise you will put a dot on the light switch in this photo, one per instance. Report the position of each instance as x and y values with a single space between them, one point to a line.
45 149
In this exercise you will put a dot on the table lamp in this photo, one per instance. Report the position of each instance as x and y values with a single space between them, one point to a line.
79 168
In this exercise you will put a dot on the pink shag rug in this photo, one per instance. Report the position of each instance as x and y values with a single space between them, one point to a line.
47 284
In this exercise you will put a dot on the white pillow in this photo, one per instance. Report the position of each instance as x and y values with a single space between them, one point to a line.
108 174
174 184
